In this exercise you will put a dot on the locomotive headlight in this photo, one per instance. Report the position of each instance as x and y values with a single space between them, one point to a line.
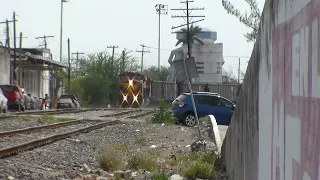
125 98
135 98
130 82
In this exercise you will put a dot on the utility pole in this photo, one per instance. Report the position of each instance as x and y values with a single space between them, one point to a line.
239 72
69 67
15 47
142 53
187 17
112 59
123 59
45 40
187 12
61 26
77 63
20 65
161 10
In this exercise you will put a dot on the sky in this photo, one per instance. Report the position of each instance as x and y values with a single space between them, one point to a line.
94 25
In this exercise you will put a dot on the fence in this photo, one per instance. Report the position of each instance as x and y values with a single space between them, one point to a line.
167 90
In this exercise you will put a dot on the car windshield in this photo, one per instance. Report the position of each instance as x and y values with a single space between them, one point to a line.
226 103
67 97
8 88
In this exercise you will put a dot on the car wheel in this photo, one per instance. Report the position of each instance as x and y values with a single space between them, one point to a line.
189 120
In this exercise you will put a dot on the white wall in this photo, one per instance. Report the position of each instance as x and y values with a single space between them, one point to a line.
211 55
4 67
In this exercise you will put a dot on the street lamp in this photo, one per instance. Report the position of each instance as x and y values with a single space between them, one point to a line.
161 10
61 26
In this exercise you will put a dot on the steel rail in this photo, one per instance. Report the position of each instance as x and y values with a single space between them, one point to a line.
36 128
140 115
12 150
121 113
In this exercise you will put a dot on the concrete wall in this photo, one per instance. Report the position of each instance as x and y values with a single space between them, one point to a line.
275 133
4 67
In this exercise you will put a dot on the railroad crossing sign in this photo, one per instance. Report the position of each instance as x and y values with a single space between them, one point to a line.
182 65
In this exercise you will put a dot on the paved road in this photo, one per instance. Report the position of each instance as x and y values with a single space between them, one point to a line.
223 131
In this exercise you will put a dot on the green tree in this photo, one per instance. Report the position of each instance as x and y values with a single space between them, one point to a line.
96 80
158 74
251 20
193 32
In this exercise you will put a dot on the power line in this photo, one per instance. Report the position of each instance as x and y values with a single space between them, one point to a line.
45 40
77 60
142 53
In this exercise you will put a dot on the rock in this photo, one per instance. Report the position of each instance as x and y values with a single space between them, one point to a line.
10 178
86 167
199 145
176 177
126 174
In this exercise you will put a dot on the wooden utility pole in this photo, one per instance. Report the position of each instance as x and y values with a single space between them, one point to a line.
69 68
122 61
77 60
20 61
45 40
15 47
239 72
187 18
112 57
142 53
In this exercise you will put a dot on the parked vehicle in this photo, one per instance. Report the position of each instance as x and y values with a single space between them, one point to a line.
15 97
28 100
3 102
207 104
68 101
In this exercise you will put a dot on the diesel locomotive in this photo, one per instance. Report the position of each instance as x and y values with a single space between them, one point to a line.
135 90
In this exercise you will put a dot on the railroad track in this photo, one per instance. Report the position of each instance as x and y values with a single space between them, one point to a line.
12 150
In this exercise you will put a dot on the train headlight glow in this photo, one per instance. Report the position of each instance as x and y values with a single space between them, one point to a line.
125 98
135 98
130 82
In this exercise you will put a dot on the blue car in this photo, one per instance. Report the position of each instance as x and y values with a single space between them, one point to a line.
206 104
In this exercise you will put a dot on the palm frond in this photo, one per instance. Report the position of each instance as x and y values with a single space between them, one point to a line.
198 40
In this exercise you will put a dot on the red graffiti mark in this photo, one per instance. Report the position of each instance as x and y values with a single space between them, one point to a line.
302 106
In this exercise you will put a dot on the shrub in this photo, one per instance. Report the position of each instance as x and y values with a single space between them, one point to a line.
160 176
163 115
143 161
110 160
197 165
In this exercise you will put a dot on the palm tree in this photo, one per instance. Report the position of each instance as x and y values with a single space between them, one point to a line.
194 31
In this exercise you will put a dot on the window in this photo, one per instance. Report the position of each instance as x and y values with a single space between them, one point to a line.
218 67
199 62
218 72
200 72
226 103
200 67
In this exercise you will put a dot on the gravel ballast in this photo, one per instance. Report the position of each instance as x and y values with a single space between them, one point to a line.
63 159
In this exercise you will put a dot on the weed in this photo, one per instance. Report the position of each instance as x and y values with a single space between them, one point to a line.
143 161
24 117
119 147
111 160
163 115
197 165
204 119
160 176
50 119
140 140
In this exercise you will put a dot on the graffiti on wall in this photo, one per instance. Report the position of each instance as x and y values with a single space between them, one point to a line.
295 149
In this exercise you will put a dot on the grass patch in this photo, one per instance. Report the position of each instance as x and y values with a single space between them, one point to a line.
205 119
50 119
119 147
140 140
24 117
111 160
160 175
163 115
197 165
143 161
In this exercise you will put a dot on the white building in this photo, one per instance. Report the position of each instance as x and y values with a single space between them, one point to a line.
209 57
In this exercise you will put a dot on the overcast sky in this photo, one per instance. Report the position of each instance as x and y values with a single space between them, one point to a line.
92 25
